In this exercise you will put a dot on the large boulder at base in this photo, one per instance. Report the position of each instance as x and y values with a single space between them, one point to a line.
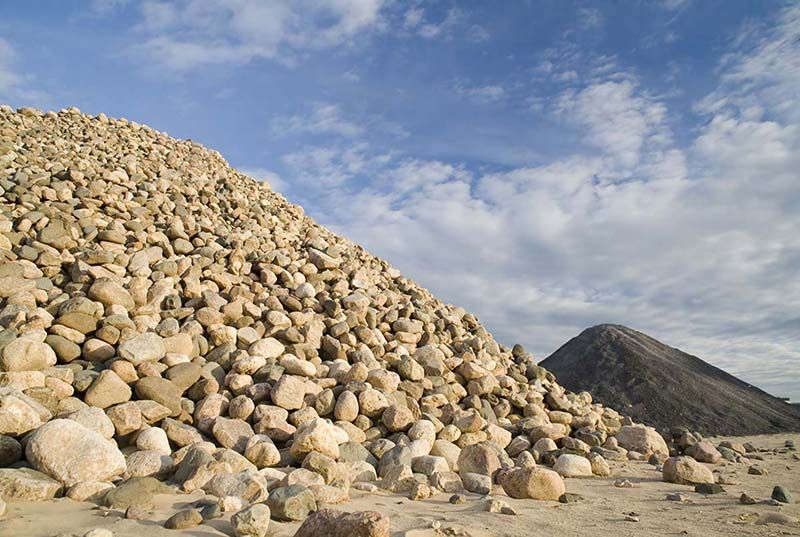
71 453
569 465
291 503
645 440
481 458
252 521
704 451
686 471
135 491
250 486
332 523
27 485
535 483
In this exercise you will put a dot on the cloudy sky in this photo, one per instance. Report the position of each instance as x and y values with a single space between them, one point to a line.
548 165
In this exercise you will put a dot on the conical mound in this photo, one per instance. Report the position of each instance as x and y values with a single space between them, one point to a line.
179 320
666 387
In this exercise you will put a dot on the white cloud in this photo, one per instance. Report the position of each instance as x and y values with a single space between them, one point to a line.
695 244
478 34
487 94
329 119
617 117
674 5
430 30
413 17
157 16
324 118
329 166
764 71
590 17
15 86
8 77
193 33
566 76
104 7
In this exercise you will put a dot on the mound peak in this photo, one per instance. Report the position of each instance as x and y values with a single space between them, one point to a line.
664 386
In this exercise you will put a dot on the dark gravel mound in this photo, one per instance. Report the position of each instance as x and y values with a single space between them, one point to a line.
664 387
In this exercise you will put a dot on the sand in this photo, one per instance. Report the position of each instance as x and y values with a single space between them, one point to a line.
602 511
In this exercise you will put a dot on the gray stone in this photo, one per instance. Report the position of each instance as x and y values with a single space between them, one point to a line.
25 484
782 494
291 503
188 518
477 483
252 521
136 491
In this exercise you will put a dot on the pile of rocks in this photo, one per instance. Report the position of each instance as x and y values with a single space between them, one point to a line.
166 317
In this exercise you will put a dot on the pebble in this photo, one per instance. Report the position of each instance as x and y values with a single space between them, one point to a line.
499 506
709 488
746 499
757 470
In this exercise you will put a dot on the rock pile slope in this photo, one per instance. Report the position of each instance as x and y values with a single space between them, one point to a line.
166 317
665 387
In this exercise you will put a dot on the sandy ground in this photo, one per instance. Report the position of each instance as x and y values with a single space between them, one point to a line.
602 511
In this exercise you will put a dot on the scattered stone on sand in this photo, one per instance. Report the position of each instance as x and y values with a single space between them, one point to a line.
782 494
188 518
252 521
499 506
536 483
456 499
686 471
569 465
709 488
340 524
136 491
137 512
780 519
746 499
757 470
677 497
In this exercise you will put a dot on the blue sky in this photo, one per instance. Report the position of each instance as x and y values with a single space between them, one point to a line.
548 165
